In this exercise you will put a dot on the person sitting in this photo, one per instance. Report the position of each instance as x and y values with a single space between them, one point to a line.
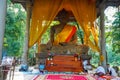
41 67
100 71
85 62
62 34
24 67
87 66
111 71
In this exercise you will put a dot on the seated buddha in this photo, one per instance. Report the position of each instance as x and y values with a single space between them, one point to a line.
63 33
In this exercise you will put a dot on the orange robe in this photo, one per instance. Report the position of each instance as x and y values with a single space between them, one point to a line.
65 35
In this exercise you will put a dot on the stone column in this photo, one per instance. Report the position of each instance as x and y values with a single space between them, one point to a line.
3 9
26 48
102 35
118 8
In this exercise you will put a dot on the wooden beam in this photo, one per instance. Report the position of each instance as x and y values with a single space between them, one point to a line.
20 1
113 3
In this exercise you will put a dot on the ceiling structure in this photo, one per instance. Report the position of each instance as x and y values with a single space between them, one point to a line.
99 4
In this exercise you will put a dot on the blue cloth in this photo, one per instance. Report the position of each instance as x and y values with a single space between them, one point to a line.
41 66
24 67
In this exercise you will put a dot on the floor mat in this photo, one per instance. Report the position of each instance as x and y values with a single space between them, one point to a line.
61 77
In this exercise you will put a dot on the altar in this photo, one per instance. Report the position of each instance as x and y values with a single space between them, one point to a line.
64 63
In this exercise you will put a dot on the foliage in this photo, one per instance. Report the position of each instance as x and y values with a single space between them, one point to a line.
116 33
14 30
112 40
80 34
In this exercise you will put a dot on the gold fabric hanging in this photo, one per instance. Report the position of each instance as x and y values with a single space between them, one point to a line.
85 13
43 12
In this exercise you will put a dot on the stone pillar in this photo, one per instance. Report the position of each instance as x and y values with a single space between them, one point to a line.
26 48
118 8
3 9
102 35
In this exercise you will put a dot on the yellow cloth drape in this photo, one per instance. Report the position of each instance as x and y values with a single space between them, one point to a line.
85 13
44 11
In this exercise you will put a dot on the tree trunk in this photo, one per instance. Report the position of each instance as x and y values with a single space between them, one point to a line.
26 49
3 9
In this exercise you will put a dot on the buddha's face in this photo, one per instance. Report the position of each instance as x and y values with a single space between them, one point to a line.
63 16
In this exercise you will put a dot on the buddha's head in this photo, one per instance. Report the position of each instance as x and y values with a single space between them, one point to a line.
63 16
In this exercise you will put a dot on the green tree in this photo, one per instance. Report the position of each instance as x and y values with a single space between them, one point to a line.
14 30
112 40
116 33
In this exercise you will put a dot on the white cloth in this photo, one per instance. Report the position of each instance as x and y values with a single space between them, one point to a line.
85 62
113 72
7 61
88 67
100 69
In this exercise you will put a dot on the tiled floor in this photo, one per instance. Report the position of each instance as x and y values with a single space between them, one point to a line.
31 75
20 75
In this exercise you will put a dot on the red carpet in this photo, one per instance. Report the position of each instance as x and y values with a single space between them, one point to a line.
65 77
70 77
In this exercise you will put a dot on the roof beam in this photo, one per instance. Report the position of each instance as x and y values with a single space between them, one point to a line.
113 3
21 1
